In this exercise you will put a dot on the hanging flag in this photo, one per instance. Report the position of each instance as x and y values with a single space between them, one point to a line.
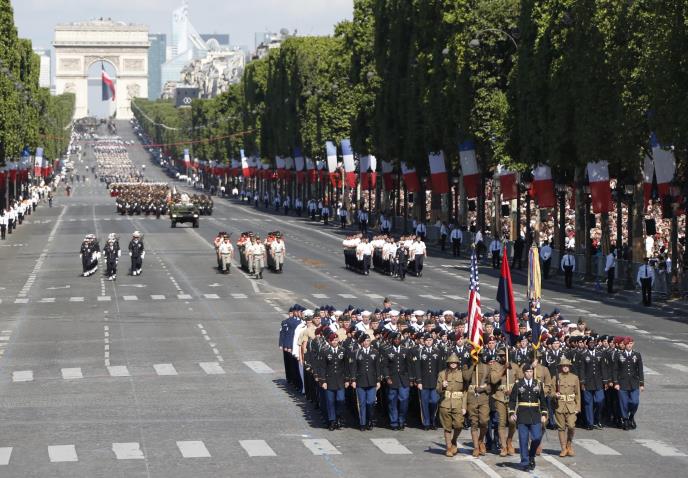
534 295
410 178
648 179
312 171
469 168
507 183
598 177
475 315
299 166
236 167
107 85
245 167
187 159
331 157
387 175
508 319
438 173
543 186
665 165
38 163
368 179
349 165
280 166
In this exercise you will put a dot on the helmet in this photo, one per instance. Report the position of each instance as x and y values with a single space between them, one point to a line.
453 358
136 234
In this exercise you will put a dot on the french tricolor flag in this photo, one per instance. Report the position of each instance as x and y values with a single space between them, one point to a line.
245 166
410 178
387 175
331 150
543 186
469 168
38 165
598 177
349 165
108 86
438 173
507 183
368 179
663 165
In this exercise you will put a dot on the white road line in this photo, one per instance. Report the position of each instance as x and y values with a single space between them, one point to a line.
104 298
257 448
239 296
212 368
613 321
76 299
661 448
183 296
72 373
130 297
21 301
5 455
47 300
455 297
193 449
563 468
430 296
648 371
681 345
165 369
158 297
390 446
61 453
595 447
678 366
127 451
321 296
320 447
22 376
398 296
347 296
259 367
118 371
211 296
375 296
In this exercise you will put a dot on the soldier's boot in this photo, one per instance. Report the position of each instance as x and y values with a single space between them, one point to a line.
450 448
475 435
569 443
564 444
538 451
510 450
455 439
503 443
481 440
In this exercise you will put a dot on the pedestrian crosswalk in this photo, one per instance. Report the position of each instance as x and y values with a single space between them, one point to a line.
124 298
257 448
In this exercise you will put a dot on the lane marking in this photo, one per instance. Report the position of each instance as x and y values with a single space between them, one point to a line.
118 371
22 376
321 296
320 446
165 369
649 371
5 455
193 449
62 453
72 373
390 446
130 297
258 367
239 296
158 297
183 296
595 447
104 298
212 368
661 448
257 448
563 468
127 451
47 300
211 296
678 366
76 299
347 296
375 296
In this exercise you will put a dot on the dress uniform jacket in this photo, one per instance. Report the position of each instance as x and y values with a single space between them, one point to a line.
498 381
465 361
136 248
628 370
552 359
397 366
594 370
452 396
542 374
332 367
528 402
568 386
428 365
364 368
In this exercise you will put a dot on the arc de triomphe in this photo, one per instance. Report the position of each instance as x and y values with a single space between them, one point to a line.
79 45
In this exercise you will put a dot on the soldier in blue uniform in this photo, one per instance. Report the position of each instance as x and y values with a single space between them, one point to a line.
629 381
528 409
397 370
428 362
331 373
364 375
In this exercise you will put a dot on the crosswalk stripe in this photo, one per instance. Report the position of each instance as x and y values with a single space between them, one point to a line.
239 296
211 296
678 366
193 449
455 297
595 447
5 455
165 369
61 453
648 371
130 297
183 296
22 376
257 448
72 373
212 368
320 446
399 296
259 367
21 301
661 448
76 299
321 296
47 300
104 298
118 371
157 297
390 446
347 296
127 451
375 296
430 296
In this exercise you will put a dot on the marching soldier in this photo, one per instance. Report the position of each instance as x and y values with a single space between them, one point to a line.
331 374
568 406
453 402
258 255
479 403
397 369
428 362
225 250
503 375
629 381
278 251
89 255
364 374
112 254
594 374
137 253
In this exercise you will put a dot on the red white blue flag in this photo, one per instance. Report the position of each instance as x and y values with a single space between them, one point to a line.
108 86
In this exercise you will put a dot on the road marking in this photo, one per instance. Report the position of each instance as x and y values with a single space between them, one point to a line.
21 301
681 344
165 369
455 297
588 301
259 367
347 296
375 296
398 296
47 300
5 454
678 366
661 448
130 297
158 297
390 446
613 321
430 296
76 299
104 298
649 371
118 371
183 296
563 468
193 449
212 368
72 373
22 376
239 296
595 447
321 296
61 453
127 451
257 448
320 447
211 296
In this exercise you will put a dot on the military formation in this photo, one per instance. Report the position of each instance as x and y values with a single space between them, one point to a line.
113 164
417 367
385 254
90 254
255 253
141 198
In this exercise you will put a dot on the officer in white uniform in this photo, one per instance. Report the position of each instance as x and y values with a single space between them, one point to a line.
646 279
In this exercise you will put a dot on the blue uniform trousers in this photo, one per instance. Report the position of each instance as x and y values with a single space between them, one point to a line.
398 405
334 400
593 402
366 404
428 405
533 431
628 402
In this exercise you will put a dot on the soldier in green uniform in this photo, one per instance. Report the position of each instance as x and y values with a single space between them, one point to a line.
453 403
568 406
479 404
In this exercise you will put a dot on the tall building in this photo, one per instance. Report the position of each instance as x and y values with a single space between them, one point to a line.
222 39
156 58
45 79
259 38
186 45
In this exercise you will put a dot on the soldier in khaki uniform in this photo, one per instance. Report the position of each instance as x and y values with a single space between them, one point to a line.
479 404
568 406
503 375
453 403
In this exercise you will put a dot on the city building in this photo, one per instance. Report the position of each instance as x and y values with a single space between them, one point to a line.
222 39
213 74
157 54
45 79
270 41
185 46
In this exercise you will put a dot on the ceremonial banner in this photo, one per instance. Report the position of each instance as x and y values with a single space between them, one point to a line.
543 186
469 168
410 178
438 173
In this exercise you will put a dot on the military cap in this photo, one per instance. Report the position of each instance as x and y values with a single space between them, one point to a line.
308 313
526 367
332 336
363 337
394 313
564 361
418 313
448 312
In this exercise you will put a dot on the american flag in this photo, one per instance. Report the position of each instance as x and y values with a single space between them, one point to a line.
475 316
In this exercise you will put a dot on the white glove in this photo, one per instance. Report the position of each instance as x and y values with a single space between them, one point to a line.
143 254
81 256
129 254
119 253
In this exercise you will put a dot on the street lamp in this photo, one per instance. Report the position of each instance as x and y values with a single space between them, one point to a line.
475 42
561 190
456 180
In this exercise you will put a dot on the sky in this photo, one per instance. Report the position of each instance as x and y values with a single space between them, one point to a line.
36 19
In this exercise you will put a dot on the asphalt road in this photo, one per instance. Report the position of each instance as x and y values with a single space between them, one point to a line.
176 373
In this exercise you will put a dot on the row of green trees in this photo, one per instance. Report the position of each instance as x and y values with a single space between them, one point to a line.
29 115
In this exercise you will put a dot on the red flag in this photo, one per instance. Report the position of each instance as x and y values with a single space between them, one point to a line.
505 296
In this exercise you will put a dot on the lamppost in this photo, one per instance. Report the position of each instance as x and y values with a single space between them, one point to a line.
423 199
561 191
674 191
456 180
